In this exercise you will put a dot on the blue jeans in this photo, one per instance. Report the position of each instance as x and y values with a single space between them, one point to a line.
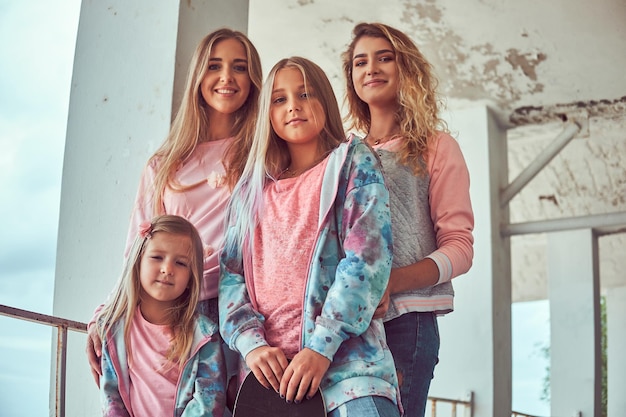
413 339
367 407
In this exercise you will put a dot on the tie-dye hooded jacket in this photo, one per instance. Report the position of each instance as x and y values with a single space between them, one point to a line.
348 273
201 389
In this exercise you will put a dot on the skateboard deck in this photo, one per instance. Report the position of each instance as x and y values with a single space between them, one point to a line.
254 400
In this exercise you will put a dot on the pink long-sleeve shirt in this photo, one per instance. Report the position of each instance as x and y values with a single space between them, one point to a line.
431 217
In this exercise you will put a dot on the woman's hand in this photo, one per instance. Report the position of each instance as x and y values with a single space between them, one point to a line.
94 353
303 375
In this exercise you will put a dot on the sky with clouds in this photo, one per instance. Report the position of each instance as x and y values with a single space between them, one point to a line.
37 40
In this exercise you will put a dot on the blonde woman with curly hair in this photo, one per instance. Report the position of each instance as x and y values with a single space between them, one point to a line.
392 99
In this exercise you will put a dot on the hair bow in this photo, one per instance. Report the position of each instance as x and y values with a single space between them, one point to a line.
145 230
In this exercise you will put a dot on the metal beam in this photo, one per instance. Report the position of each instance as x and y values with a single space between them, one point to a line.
553 148
597 221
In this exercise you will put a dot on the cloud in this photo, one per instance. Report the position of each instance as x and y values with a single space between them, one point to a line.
30 289
27 374
37 41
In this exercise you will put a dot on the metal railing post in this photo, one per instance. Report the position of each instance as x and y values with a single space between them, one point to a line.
61 367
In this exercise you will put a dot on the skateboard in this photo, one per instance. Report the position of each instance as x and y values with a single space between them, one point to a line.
254 400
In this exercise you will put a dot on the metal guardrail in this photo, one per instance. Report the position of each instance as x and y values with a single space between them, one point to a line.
467 406
62 326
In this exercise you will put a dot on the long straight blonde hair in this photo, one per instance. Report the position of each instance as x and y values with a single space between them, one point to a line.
417 98
126 296
191 124
269 154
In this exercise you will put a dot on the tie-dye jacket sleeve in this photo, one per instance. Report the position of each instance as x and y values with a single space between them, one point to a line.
202 384
352 261
238 316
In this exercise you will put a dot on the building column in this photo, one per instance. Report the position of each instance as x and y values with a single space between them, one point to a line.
130 65
575 355
616 346
483 296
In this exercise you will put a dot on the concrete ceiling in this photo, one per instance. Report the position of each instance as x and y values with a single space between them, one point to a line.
534 63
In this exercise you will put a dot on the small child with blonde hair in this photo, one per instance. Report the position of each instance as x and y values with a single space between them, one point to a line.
159 356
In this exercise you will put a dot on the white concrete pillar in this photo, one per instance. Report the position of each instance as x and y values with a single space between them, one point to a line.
475 352
575 357
616 346
131 58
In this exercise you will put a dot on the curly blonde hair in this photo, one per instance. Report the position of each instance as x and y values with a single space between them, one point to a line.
418 101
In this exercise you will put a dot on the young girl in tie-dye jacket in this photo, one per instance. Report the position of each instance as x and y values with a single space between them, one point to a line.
159 356
307 253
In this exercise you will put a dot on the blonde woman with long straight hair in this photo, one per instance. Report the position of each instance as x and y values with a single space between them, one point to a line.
194 170
392 98
159 356
307 253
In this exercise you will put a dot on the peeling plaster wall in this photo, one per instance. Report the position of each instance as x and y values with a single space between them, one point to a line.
534 63
516 54
508 54
588 177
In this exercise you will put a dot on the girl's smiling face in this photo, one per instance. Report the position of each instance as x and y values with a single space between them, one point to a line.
296 114
226 84
375 71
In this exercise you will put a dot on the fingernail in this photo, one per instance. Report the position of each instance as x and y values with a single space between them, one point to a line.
281 395
297 401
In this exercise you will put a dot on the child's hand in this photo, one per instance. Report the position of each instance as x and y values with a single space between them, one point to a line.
267 364
303 375
94 352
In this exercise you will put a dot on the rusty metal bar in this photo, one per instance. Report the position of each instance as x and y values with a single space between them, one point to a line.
42 318
62 326
61 367
466 404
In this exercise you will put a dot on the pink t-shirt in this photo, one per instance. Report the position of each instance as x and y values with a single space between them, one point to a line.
283 245
152 390
204 206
